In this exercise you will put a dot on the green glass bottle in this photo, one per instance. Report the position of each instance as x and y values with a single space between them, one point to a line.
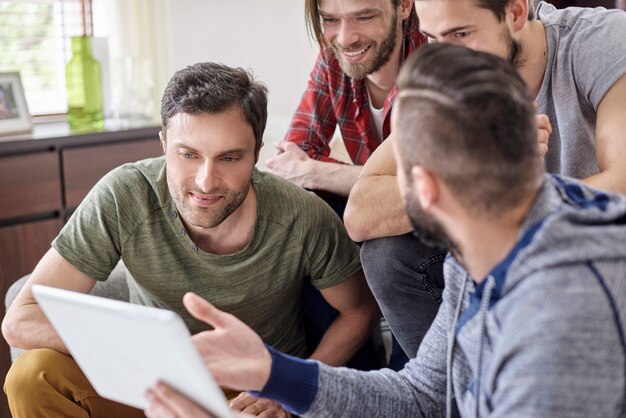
83 83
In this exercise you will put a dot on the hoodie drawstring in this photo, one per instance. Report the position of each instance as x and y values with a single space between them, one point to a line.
484 309
450 353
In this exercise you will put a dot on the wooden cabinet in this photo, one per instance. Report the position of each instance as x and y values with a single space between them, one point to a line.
37 188
43 177
84 166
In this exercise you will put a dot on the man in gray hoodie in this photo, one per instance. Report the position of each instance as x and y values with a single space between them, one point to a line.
533 312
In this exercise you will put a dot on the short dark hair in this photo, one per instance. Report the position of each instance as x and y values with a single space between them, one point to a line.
468 117
314 21
214 88
498 7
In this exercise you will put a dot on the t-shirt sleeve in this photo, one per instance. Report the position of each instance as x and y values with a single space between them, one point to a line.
600 59
333 256
91 239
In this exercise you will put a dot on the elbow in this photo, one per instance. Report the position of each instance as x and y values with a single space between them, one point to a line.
353 222
10 330
354 230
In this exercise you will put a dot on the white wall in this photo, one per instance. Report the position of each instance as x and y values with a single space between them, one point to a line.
267 36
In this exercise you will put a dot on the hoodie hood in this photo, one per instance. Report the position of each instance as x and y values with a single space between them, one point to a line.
569 223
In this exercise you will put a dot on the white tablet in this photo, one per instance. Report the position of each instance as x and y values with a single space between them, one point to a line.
124 349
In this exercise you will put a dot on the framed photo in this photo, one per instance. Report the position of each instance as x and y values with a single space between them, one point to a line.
14 116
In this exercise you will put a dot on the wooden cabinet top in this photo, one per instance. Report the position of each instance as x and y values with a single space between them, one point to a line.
56 135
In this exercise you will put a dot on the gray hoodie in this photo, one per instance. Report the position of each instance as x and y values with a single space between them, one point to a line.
541 336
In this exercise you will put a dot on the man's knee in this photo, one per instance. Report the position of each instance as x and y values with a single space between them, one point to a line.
40 372
400 257
379 260
28 370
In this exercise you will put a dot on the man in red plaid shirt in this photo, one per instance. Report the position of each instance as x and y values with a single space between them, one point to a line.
363 43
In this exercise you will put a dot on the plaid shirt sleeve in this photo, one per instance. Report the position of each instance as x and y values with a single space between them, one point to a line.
314 122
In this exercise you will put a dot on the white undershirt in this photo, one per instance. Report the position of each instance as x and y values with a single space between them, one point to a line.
377 116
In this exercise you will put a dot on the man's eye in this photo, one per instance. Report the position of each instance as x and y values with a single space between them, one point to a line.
185 154
329 20
365 18
461 34
229 159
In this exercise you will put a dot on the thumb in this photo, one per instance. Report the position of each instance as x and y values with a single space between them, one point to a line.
203 311
280 146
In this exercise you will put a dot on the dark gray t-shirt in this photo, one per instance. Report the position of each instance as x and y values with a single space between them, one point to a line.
586 56
297 237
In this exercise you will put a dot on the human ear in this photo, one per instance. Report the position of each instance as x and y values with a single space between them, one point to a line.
517 14
426 187
405 9
162 139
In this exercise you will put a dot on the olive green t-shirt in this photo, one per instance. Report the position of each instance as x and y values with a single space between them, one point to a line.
297 237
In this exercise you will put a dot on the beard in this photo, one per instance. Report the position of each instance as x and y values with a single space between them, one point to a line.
204 217
426 228
514 49
382 53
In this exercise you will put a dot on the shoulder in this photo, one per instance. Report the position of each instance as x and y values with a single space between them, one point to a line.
583 22
133 186
290 207
558 302
280 199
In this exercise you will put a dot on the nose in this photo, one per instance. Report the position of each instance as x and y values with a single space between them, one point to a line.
347 36
207 176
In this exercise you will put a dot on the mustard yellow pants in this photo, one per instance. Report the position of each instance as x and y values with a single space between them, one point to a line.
46 383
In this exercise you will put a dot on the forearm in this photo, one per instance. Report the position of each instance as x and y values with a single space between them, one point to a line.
375 209
343 338
608 181
333 177
27 327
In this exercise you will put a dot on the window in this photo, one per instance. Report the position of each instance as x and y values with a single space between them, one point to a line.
34 40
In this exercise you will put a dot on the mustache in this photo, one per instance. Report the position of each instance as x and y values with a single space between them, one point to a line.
351 48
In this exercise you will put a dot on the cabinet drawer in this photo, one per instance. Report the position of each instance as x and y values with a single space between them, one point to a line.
30 185
84 166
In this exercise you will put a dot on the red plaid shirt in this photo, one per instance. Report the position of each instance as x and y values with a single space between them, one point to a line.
333 98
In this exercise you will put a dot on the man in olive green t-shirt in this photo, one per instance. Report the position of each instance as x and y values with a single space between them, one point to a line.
202 219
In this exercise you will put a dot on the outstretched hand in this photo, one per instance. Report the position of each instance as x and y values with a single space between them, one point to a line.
232 351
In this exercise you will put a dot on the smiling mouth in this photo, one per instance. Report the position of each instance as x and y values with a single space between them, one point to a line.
354 54
205 200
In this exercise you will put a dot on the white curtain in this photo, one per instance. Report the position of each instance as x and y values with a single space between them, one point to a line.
138 58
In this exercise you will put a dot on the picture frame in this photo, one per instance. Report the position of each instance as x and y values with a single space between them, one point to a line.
14 115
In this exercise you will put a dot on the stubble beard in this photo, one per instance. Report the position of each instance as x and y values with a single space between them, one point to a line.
206 217
426 228
514 49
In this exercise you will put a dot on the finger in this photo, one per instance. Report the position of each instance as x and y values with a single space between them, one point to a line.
269 163
180 405
274 413
242 401
204 311
280 146
252 410
156 406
